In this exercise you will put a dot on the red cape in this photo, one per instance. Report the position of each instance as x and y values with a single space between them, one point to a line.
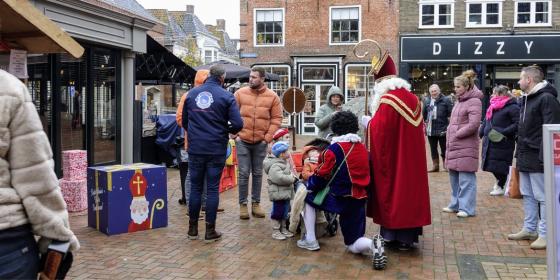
399 188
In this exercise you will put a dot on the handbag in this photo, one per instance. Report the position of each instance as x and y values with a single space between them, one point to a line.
494 135
56 262
322 194
512 183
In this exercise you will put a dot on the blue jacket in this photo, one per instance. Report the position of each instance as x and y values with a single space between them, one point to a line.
209 114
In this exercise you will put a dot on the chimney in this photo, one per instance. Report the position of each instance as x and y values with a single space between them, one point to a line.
190 9
221 24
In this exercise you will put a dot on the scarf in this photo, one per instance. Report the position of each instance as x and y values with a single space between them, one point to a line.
496 103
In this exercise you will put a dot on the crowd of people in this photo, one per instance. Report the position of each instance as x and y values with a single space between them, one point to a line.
382 175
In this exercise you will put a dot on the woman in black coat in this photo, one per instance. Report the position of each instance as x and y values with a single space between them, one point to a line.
497 154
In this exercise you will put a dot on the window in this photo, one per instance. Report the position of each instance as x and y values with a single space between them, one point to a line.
436 13
533 13
208 56
484 14
345 25
356 75
269 27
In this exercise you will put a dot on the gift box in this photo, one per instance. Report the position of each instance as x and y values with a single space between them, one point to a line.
74 193
127 198
74 164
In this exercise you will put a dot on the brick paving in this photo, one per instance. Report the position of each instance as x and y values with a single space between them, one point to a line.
451 248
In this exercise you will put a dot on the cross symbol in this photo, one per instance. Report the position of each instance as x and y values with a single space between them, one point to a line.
138 183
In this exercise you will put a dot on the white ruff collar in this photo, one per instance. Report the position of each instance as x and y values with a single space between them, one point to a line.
383 87
350 137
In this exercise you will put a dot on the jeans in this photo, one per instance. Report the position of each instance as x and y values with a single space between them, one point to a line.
434 140
532 189
250 159
187 180
19 255
463 191
207 167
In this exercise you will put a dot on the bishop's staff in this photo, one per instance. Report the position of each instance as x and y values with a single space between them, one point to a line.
362 50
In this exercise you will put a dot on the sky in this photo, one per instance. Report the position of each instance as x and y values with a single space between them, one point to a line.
206 10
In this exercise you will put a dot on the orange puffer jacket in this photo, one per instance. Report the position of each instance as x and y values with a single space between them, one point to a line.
261 111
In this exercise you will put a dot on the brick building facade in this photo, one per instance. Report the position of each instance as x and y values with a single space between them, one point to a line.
441 38
309 44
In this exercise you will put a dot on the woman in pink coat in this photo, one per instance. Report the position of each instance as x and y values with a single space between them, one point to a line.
461 158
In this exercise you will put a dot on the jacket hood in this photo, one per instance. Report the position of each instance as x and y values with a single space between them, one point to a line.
201 76
334 90
271 160
548 88
472 93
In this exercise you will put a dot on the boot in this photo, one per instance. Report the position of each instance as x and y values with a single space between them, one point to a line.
256 210
243 212
276 233
284 229
539 244
193 230
211 234
436 165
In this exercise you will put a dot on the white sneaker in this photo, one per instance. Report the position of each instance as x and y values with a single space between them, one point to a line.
462 214
309 245
497 190
379 259
276 234
448 210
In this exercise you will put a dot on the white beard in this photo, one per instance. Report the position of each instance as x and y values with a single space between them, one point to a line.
139 218
382 88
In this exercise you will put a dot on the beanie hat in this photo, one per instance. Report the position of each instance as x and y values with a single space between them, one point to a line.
279 133
279 147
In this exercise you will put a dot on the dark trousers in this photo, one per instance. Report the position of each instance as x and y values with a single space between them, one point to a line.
280 209
434 140
207 167
19 255
502 178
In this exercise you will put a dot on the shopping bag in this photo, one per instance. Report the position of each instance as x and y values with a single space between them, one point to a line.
512 183
321 195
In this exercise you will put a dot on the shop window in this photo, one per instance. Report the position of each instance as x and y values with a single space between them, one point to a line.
422 76
356 76
484 14
269 27
345 25
436 14
533 13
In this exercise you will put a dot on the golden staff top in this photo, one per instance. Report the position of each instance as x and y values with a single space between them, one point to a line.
362 50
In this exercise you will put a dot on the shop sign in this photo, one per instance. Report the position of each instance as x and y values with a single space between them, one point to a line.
18 64
551 152
512 48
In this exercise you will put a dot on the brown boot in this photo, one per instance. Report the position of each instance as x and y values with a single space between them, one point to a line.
193 230
436 165
256 210
243 212
211 234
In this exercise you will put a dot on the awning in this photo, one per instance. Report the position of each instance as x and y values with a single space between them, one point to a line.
158 65
25 27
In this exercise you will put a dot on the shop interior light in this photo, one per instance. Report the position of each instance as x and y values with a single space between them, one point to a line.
445 73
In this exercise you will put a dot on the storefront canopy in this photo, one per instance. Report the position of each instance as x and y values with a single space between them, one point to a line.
24 27
236 72
159 65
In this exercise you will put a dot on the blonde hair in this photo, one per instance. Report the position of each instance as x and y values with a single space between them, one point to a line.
466 79
502 90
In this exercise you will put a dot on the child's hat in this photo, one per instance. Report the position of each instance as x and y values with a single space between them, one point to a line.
279 147
279 133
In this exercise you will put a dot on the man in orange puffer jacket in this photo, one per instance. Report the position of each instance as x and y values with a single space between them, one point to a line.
261 112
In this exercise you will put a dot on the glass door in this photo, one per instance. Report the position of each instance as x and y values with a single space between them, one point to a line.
316 95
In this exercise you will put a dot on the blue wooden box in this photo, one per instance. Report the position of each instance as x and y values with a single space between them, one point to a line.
127 198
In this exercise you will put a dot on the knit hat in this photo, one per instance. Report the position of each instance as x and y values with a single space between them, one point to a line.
279 133
279 147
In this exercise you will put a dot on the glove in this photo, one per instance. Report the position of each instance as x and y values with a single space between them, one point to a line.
365 120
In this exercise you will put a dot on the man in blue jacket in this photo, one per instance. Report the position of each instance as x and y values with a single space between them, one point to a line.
209 114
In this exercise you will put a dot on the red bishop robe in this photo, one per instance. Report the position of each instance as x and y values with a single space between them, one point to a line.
399 188
132 227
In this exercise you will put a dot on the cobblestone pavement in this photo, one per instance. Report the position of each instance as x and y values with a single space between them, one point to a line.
451 248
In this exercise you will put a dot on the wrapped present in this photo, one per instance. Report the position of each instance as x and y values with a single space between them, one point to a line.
74 164
74 193
127 198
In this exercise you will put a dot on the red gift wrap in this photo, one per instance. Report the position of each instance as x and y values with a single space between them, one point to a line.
74 193
74 164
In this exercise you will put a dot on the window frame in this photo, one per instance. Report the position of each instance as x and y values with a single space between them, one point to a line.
532 13
484 13
436 4
255 44
346 67
270 67
331 43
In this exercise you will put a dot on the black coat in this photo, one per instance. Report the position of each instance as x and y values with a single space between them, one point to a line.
444 108
498 156
537 109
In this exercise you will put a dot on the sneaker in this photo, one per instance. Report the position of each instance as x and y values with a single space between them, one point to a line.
462 214
286 233
523 235
309 245
448 210
497 190
276 234
539 244
379 260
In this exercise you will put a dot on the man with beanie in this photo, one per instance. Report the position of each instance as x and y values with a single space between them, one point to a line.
261 111
326 112
209 114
